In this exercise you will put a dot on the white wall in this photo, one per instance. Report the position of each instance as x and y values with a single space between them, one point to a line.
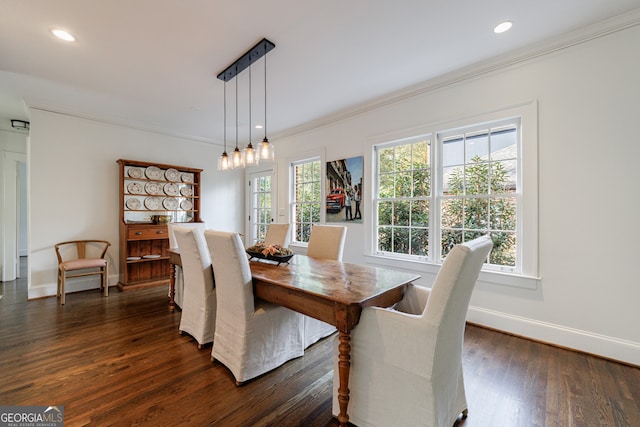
588 126
74 185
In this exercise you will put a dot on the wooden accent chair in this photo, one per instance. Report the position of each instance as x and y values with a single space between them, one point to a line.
198 304
74 261
327 242
278 234
252 336
406 362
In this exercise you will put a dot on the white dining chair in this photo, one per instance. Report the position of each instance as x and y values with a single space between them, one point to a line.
252 336
278 234
199 305
325 242
173 243
406 362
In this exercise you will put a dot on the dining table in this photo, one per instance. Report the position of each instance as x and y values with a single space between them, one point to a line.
331 291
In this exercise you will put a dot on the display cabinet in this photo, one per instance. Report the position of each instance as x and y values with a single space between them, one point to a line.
152 195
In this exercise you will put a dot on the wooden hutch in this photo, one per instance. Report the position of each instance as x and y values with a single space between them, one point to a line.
148 192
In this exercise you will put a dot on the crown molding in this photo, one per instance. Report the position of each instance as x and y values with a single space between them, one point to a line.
57 109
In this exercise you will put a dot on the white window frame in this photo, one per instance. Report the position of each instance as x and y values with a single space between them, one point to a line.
527 275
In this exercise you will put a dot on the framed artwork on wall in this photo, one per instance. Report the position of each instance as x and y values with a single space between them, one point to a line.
344 190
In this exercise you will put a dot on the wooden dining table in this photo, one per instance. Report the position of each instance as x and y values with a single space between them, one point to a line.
332 291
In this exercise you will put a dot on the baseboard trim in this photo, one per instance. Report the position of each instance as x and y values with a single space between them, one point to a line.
611 348
71 285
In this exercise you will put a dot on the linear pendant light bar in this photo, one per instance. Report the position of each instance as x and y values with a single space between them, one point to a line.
251 56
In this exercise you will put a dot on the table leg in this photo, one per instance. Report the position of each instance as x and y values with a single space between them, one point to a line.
344 366
172 286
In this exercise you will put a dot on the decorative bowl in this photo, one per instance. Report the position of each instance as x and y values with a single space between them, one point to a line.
277 258
271 252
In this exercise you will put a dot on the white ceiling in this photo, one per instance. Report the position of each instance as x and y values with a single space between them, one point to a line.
153 63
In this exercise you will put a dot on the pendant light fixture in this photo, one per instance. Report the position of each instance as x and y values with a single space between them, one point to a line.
236 156
223 160
249 156
265 148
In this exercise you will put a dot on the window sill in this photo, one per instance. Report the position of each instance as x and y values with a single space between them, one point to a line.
422 267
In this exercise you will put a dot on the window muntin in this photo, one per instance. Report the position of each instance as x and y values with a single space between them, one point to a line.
306 181
463 186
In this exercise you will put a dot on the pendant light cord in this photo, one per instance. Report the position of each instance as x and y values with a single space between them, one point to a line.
265 96
236 112
225 117
250 104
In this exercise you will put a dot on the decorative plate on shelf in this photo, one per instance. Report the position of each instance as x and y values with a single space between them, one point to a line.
186 191
187 177
153 188
170 204
172 175
171 189
151 256
153 172
133 203
133 258
134 172
152 203
135 188
186 205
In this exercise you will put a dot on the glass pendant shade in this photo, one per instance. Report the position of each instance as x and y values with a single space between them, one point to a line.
223 162
250 156
265 150
236 159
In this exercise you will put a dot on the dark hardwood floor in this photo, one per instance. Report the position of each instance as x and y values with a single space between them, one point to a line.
121 361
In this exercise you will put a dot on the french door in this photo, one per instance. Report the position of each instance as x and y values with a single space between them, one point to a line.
260 206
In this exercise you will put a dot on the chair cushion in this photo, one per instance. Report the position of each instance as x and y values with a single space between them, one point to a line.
79 264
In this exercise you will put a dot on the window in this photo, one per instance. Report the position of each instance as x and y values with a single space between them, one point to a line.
479 190
305 178
404 197
260 206
430 196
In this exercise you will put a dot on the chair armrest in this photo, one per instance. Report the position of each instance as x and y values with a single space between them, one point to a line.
414 300
395 338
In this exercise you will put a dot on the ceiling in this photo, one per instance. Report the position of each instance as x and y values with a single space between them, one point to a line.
152 64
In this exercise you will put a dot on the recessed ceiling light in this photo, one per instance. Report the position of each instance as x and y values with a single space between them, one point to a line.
62 34
258 126
502 27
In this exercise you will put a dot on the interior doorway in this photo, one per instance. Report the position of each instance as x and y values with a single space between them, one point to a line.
15 208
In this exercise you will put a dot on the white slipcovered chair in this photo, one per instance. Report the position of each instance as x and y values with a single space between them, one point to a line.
199 305
252 336
326 242
173 243
278 234
406 363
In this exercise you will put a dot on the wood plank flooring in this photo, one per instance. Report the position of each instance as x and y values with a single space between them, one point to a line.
121 361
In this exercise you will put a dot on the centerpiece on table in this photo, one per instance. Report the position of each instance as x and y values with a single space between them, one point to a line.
271 252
